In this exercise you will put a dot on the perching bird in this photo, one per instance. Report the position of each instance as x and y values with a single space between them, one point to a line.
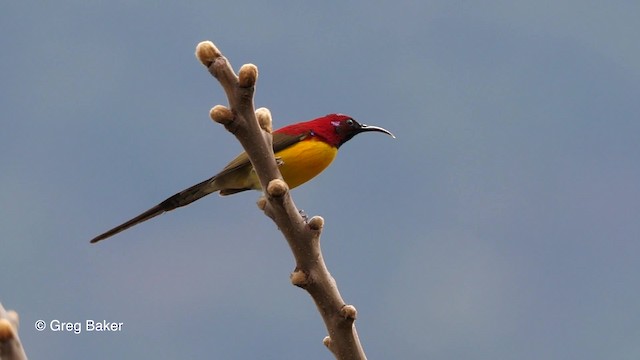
303 150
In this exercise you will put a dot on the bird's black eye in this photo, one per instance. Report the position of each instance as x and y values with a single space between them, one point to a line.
350 122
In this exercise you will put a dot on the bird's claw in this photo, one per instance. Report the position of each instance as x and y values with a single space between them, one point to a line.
304 215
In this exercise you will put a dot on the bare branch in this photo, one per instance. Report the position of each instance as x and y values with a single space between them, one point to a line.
253 129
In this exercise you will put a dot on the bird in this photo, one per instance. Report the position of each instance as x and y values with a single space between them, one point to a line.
302 150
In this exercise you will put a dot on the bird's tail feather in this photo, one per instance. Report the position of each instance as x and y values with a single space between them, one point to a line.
182 198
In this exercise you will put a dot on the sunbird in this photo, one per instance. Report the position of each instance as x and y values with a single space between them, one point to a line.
302 150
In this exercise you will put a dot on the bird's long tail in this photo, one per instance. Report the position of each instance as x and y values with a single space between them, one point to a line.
182 198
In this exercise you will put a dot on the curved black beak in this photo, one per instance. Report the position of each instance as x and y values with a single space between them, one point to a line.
364 128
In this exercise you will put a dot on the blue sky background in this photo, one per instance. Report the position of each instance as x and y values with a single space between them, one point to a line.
502 223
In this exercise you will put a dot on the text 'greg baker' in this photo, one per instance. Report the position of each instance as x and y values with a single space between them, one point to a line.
92 325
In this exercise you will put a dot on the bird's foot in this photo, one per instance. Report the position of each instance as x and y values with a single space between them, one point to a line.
304 215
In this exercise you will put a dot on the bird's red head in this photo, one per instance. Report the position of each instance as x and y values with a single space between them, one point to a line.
334 129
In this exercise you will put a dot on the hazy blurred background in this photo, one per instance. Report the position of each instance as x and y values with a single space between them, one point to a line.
502 223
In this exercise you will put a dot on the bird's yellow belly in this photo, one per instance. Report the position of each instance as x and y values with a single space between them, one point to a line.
302 161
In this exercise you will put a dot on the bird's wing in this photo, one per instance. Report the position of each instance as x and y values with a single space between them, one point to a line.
280 142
